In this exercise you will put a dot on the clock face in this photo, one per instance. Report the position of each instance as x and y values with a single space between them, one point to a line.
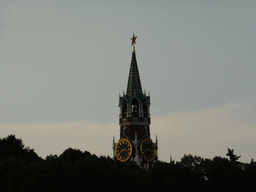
123 150
147 149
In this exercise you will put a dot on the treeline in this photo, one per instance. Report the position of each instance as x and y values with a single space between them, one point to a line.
21 169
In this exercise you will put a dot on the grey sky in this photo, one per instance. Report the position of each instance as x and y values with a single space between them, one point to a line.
67 61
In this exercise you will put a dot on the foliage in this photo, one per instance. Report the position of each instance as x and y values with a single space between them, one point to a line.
12 147
22 170
232 157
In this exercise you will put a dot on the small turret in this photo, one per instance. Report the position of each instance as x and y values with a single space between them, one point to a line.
114 147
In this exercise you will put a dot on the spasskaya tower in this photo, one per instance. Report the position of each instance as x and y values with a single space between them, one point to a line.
135 144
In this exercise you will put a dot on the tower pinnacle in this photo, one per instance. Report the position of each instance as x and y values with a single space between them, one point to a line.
134 85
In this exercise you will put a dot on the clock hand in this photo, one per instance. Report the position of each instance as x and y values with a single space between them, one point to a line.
120 151
123 150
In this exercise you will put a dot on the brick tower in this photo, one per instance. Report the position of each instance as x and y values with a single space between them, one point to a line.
135 144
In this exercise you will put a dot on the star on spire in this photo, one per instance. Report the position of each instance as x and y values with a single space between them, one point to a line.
134 39
133 42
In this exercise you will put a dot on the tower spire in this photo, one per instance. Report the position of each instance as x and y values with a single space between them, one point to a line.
134 85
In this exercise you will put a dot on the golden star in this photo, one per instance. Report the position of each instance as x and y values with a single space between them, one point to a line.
134 39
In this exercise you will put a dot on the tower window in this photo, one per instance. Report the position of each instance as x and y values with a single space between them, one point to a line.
135 108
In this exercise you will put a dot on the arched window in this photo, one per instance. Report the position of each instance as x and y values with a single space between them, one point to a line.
135 107
145 108
124 108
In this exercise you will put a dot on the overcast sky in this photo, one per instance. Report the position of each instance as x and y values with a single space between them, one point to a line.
64 63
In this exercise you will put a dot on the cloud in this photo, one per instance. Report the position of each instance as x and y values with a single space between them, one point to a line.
206 132
54 137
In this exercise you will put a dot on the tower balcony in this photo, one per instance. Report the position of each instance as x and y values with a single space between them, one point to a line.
134 119
134 114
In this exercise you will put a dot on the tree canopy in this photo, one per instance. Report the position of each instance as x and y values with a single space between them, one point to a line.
22 170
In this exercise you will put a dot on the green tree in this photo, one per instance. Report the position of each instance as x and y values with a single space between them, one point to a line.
13 147
72 155
195 164
222 172
232 157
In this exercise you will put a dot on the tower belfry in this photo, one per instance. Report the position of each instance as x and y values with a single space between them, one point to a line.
135 145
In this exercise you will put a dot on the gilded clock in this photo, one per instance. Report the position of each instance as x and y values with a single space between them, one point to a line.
147 149
123 150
